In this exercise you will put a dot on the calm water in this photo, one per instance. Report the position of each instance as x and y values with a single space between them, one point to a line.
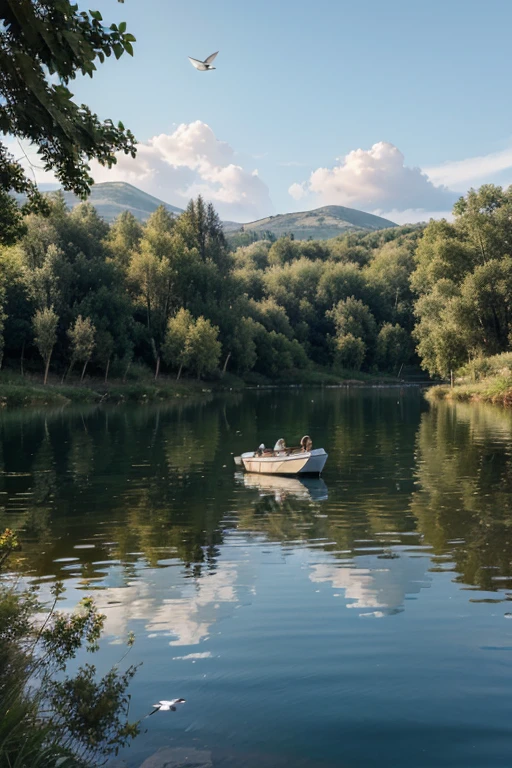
355 621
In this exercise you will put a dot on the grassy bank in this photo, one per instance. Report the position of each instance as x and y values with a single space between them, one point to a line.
487 380
497 390
18 391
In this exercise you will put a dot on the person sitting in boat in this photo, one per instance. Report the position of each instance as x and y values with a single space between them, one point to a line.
306 444
261 450
280 446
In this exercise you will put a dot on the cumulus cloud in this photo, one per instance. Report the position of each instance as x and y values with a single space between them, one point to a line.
376 179
192 161
298 191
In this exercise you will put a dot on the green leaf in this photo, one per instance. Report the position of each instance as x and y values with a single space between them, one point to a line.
130 38
128 47
122 27
118 50
96 15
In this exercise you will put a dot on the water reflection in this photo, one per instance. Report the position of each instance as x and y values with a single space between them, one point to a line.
157 484
379 584
463 501
312 489
180 610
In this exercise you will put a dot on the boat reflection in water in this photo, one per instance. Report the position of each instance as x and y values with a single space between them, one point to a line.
307 488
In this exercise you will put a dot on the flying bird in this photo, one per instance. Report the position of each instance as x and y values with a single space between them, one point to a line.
203 66
166 706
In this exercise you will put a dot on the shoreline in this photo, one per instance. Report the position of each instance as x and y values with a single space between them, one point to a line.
492 391
18 391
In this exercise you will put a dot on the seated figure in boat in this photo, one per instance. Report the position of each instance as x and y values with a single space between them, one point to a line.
306 444
280 446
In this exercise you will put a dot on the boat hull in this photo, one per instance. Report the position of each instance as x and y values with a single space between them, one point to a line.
311 463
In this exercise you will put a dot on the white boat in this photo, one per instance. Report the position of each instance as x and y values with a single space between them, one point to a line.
283 462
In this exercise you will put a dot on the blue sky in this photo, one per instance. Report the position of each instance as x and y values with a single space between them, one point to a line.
300 85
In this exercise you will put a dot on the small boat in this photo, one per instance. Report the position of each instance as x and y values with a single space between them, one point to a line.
288 462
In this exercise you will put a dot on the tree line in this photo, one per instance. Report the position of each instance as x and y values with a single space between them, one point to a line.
174 294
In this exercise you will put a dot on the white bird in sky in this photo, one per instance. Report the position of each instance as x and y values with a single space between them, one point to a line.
203 66
166 706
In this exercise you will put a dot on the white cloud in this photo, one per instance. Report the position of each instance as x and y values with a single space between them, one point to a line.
192 161
414 215
461 174
298 191
375 179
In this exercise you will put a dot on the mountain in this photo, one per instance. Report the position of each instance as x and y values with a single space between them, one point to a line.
320 224
111 198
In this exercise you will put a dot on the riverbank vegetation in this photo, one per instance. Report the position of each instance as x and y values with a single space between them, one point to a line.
486 379
83 301
170 295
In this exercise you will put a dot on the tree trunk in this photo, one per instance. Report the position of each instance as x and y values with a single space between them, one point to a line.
47 368
83 371
21 359
226 361
106 370
179 372
126 372
157 369
66 373
451 378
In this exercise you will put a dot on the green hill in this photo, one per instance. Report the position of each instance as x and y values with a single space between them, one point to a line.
111 198
320 224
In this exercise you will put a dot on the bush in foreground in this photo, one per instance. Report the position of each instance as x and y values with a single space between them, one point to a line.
48 717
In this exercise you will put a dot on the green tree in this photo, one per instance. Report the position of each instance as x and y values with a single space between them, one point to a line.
393 347
152 278
45 329
123 238
204 347
350 351
353 318
176 350
43 46
283 251
81 336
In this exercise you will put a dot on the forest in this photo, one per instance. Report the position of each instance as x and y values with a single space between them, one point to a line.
174 295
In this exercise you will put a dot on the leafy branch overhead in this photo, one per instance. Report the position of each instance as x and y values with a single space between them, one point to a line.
44 45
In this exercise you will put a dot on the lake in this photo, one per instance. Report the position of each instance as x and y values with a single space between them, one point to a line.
359 620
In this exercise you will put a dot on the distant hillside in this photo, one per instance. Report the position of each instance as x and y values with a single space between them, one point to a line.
320 224
113 197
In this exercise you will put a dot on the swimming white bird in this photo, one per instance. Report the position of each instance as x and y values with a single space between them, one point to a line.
203 66
166 706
